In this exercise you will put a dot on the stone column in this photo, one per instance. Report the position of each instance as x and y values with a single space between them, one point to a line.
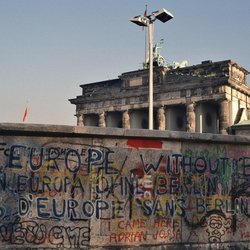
125 120
223 116
102 123
248 113
80 120
191 117
161 118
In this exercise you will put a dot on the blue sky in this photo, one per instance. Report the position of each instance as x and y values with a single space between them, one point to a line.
49 47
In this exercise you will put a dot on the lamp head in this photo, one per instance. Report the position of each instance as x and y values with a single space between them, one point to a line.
163 15
139 20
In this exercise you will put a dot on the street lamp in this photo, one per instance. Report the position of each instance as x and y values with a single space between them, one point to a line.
147 21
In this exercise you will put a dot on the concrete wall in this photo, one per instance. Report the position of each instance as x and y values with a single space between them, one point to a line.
75 188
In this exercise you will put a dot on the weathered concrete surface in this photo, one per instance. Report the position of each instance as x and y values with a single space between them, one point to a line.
68 187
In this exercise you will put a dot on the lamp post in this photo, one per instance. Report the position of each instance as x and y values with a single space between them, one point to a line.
148 21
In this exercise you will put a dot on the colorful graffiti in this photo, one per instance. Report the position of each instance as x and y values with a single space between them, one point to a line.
122 192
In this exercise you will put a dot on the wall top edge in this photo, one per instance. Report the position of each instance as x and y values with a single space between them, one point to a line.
19 129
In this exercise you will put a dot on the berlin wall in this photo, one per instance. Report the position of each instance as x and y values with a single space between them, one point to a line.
68 187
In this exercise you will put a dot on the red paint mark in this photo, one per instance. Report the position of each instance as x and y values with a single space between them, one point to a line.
144 143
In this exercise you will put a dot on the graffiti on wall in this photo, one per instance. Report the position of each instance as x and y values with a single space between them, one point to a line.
129 192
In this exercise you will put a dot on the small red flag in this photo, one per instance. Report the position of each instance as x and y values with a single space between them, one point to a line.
25 114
